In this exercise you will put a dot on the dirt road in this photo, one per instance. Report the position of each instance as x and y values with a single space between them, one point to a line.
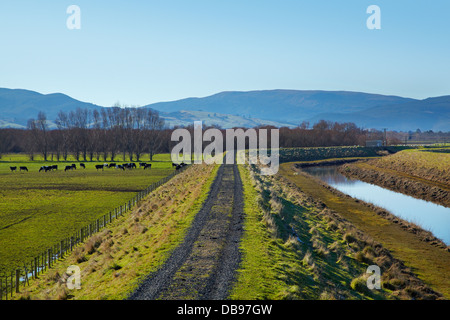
204 265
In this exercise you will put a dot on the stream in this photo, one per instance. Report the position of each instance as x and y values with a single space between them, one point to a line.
427 215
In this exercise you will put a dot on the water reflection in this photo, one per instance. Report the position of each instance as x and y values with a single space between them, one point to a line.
428 215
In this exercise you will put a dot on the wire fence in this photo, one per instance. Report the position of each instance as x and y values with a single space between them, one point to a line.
11 281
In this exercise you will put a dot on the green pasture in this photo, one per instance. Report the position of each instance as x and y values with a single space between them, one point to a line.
38 209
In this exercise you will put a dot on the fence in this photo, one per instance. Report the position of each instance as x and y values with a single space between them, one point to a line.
11 281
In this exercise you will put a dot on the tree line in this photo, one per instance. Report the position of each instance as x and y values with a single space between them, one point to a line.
90 135
102 135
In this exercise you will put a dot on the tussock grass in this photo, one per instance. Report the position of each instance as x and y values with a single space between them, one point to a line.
293 248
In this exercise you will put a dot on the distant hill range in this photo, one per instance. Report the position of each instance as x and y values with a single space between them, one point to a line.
253 108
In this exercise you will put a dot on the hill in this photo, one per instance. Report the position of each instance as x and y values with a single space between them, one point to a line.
252 108
18 105
291 106
428 114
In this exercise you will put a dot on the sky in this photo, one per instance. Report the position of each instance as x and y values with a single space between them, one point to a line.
141 52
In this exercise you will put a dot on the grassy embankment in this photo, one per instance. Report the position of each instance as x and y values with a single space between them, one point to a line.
114 261
293 248
38 209
430 263
421 173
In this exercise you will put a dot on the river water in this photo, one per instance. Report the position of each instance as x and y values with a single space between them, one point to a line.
428 215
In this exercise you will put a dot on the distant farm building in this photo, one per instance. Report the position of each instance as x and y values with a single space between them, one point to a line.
374 143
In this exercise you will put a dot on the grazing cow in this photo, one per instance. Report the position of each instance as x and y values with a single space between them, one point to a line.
82 165
129 165
148 166
142 164
174 165
68 168
13 169
99 166
119 166
54 167
74 166
45 168
24 169
112 165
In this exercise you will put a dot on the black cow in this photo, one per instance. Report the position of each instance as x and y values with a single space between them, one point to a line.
119 166
82 165
129 165
54 167
148 166
112 165
68 168
45 168
24 169
74 166
99 166
13 169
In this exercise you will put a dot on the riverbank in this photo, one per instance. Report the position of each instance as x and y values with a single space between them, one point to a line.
429 260
414 186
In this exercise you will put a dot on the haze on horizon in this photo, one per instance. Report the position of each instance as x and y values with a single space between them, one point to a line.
141 52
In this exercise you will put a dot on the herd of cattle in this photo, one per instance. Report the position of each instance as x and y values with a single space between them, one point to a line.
124 166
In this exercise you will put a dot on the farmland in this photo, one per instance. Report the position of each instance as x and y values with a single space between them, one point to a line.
38 209
301 240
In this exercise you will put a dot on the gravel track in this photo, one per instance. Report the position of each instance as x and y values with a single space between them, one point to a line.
204 265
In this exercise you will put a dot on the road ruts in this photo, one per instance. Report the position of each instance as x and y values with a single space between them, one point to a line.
204 265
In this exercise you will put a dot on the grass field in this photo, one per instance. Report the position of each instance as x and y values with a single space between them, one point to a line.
38 209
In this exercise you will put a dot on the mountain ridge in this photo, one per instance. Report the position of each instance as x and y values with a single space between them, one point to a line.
278 107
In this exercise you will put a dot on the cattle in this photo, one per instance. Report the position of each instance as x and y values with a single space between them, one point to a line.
99 166
129 165
174 165
45 168
69 168
74 166
23 168
54 167
13 169
112 165
147 166
119 166
82 165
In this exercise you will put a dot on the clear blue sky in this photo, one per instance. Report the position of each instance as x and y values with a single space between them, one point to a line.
140 52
